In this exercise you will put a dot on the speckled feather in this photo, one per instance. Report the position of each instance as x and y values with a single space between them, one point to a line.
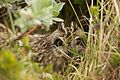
47 53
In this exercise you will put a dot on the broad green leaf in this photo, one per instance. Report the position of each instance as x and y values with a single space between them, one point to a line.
57 8
43 11
39 6
24 23
56 13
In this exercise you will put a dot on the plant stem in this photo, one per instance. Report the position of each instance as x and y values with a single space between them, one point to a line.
75 14
10 15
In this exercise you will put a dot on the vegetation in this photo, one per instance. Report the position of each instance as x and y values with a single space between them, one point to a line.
101 59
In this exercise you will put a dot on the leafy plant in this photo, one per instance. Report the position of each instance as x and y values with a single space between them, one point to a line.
39 12
10 67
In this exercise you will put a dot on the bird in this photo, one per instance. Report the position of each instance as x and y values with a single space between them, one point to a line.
50 49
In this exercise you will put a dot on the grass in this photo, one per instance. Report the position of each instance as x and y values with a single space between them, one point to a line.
102 55
102 45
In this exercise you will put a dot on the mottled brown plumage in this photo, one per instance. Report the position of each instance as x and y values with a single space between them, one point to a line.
51 48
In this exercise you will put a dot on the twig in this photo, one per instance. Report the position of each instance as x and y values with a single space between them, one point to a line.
13 39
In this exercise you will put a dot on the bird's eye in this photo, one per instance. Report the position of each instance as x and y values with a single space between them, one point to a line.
58 42
77 41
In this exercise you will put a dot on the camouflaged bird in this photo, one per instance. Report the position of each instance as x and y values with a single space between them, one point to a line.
51 48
